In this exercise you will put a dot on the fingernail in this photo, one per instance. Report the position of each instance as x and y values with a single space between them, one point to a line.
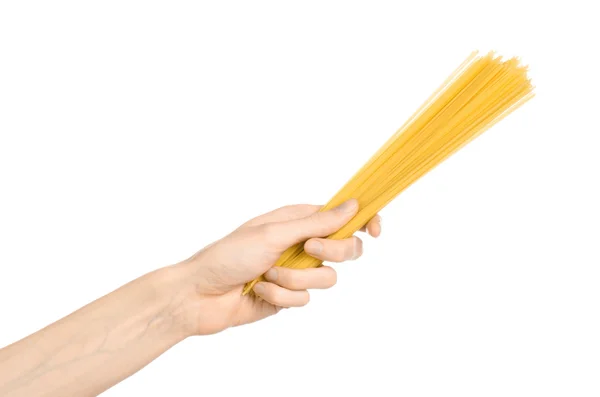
347 206
314 247
259 288
271 274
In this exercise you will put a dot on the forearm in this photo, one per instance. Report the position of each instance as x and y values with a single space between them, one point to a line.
102 343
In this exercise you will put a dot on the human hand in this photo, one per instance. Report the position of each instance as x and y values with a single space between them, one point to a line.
220 271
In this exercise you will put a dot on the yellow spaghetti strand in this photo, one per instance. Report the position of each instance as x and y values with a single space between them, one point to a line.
479 93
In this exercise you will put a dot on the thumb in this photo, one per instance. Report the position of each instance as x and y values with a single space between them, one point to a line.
319 224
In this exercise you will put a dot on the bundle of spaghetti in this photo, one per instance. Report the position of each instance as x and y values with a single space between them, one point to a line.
478 94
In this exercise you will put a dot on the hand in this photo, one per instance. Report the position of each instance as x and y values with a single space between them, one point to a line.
220 271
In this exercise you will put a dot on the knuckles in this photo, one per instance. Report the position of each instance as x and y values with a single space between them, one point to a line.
269 233
319 223
340 255
276 296
290 280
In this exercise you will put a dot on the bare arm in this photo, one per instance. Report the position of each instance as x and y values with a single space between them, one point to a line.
99 345
113 337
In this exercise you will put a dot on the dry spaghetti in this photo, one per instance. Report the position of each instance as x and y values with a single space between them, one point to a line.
478 94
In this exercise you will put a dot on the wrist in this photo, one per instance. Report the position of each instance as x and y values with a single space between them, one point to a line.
203 308
196 306
175 287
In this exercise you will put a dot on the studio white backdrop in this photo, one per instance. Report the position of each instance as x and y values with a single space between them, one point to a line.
134 133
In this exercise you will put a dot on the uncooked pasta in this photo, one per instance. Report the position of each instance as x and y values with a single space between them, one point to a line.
478 94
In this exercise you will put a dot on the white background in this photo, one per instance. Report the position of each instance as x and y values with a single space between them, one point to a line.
133 133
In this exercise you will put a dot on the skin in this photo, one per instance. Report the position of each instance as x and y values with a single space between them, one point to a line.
106 341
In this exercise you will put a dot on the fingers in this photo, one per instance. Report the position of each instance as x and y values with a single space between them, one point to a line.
319 224
279 296
373 227
334 250
288 287
302 279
